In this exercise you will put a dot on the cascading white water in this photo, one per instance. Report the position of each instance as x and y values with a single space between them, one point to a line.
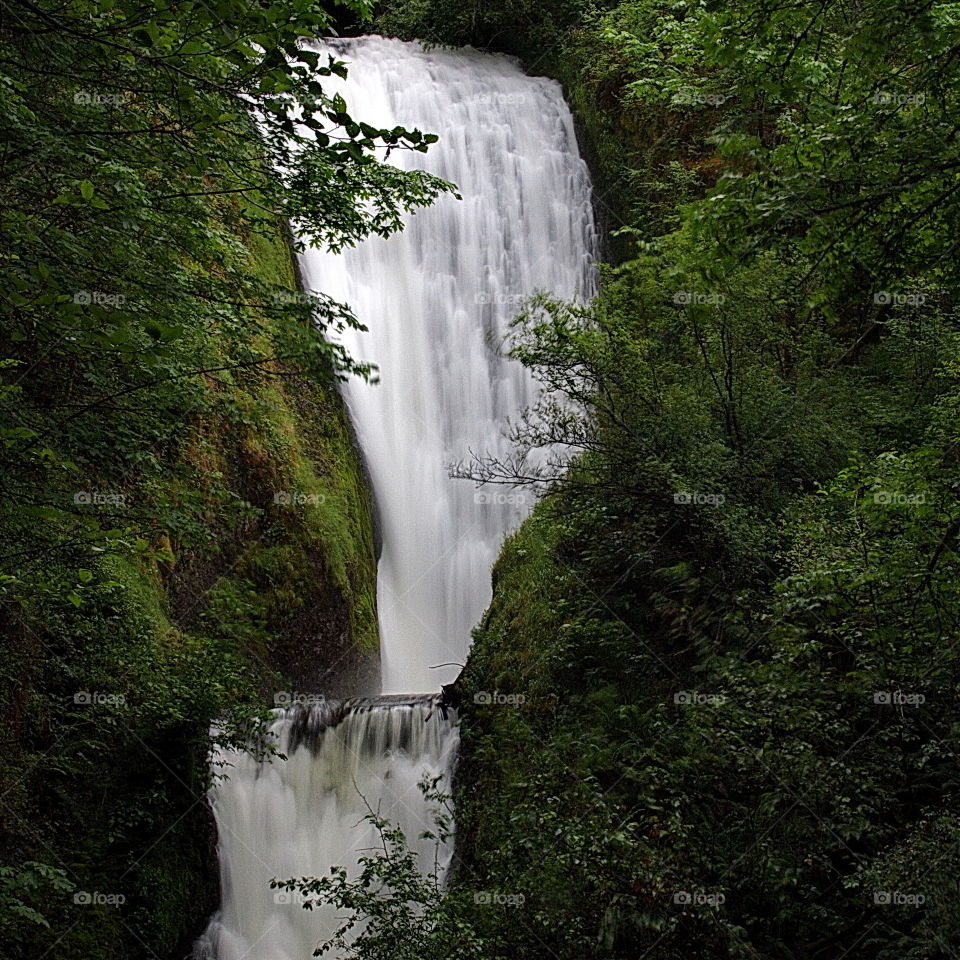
437 300
300 816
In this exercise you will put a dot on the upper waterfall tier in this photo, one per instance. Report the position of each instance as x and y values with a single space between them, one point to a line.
437 300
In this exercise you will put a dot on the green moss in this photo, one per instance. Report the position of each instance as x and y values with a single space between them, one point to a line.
321 467
142 587
188 616
520 628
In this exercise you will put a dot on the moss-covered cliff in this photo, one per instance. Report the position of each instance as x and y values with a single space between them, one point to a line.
256 577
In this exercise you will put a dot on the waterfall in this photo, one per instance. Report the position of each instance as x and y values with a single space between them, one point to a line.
300 816
437 300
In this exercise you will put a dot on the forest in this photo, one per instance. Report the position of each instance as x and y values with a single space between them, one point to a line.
725 640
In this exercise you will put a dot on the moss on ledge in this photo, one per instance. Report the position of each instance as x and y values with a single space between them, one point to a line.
256 574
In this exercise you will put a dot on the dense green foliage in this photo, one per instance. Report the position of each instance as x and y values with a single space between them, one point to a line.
732 627
727 636
184 518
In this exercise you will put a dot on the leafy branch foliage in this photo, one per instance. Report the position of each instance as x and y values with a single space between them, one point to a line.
393 910
155 346
734 618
